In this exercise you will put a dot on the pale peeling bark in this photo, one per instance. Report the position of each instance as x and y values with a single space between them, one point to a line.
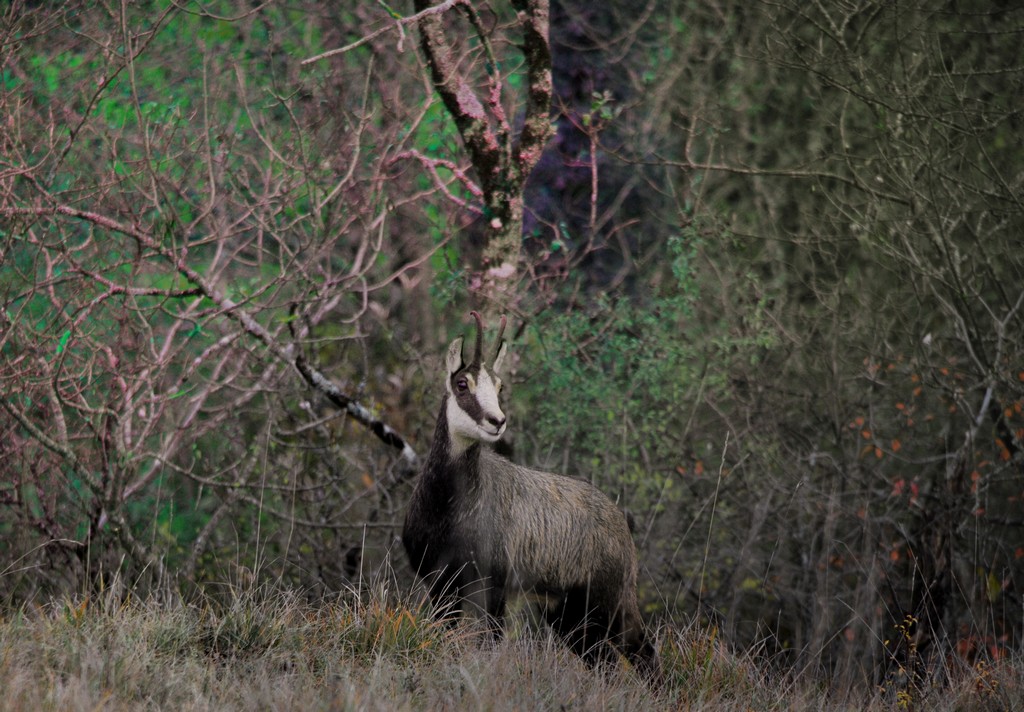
501 161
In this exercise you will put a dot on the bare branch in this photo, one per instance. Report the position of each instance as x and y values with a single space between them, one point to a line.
398 26
249 324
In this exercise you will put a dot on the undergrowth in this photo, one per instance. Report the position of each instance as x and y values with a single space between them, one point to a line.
376 650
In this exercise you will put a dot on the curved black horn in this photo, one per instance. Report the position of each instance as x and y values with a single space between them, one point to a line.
501 333
478 352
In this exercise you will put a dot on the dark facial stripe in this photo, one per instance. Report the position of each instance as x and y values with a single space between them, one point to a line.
467 400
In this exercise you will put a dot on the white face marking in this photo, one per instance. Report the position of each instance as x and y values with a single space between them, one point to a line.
486 393
473 410
464 428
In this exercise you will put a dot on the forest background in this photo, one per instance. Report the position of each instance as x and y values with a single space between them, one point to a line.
765 287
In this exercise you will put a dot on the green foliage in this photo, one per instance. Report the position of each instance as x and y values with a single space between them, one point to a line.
616 385
436 135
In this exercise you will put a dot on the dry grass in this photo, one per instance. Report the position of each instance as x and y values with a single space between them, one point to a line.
267 649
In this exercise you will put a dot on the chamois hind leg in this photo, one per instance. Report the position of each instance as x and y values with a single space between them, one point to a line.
633 641
583 626
596 636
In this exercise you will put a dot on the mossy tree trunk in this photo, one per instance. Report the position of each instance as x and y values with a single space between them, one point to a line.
501 158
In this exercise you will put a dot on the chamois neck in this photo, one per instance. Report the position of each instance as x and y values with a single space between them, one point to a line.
447 449
447 445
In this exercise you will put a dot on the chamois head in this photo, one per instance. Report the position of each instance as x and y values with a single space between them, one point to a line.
473 411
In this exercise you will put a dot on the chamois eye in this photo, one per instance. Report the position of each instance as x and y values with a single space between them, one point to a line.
461 385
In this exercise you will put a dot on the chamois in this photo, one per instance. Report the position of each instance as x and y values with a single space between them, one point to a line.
480 528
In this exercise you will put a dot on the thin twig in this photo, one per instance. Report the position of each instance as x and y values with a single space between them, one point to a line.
399 25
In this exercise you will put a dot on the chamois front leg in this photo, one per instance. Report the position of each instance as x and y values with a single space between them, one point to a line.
496 611
484 598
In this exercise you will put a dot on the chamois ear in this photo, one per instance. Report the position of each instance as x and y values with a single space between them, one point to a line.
454 358
500 358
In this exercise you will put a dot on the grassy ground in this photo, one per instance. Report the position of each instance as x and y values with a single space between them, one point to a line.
273 650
